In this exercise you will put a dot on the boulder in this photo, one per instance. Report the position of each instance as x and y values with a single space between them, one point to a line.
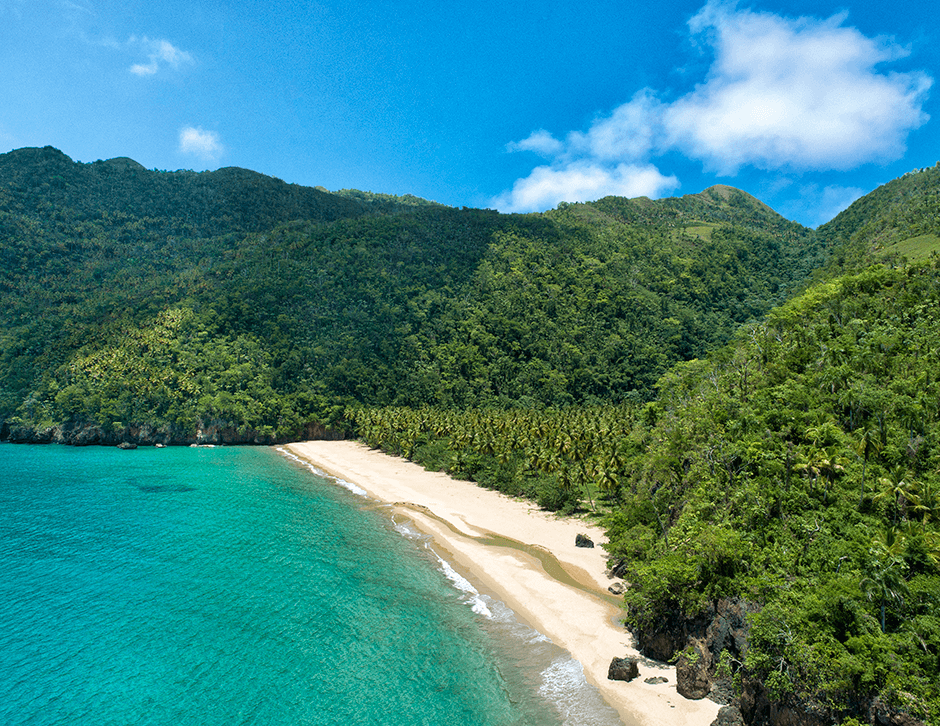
618 569
692 667
623 669
883 715
655 680
729 716
618 588
722 692
582 540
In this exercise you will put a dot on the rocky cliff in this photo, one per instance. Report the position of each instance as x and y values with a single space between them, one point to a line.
211 432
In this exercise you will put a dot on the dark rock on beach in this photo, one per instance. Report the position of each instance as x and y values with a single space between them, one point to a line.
729 716
623 669
582 540
618 568
722 626
722 691
692 668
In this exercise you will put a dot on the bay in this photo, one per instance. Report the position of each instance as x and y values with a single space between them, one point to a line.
232 586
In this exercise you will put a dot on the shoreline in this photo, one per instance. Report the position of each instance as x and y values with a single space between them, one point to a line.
527 558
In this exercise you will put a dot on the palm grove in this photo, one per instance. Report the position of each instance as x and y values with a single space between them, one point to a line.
750 406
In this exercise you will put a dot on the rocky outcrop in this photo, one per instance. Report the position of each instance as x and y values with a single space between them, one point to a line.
758 709
623 669
880 714
696 645
729 716
693 668
617 588
721 627
211 432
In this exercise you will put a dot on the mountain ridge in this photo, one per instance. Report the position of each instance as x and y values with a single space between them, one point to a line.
362 297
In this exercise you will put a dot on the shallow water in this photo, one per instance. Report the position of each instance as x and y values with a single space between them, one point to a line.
233 586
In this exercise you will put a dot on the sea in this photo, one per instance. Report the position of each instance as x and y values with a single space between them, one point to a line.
237 585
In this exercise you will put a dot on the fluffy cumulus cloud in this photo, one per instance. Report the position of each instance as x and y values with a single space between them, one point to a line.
609 158
204 144
792 94
161 54
800 93
582 181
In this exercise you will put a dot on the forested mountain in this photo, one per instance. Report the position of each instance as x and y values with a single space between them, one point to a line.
179 301
45 184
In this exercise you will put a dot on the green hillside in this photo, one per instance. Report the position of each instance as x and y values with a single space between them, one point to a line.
793 476
181 300
899 220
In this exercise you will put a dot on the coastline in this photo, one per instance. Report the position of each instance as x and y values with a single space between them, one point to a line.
512 548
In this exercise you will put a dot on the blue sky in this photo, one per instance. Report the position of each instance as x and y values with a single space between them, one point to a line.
514 106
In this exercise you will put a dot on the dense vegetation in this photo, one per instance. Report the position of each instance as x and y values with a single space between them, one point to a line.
177 299
899 220
797 469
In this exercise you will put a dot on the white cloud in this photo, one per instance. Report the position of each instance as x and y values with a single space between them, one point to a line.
541 142
630 132
800 93
785 94
204 144
160 53
610 158
582 182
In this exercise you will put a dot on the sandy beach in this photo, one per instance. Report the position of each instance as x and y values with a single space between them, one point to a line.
569 604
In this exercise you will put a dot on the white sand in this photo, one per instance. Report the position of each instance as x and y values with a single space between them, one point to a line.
584 624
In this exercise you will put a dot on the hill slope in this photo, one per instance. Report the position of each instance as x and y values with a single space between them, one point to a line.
900 219
180 302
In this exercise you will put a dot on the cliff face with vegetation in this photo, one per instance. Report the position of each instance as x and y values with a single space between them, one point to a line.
752 407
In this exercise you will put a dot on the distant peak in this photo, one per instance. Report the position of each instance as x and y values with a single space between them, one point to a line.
721 190
722 193
122 163
36 152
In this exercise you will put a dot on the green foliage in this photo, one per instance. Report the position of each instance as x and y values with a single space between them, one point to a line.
812 439
354 298
896 221
797 468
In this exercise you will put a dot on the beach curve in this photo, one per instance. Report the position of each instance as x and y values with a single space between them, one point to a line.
509 546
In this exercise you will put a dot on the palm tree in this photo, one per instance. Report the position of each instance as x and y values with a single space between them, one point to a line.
867 446
885 582
898 492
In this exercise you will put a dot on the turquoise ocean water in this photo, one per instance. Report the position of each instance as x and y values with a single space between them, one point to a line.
233 586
